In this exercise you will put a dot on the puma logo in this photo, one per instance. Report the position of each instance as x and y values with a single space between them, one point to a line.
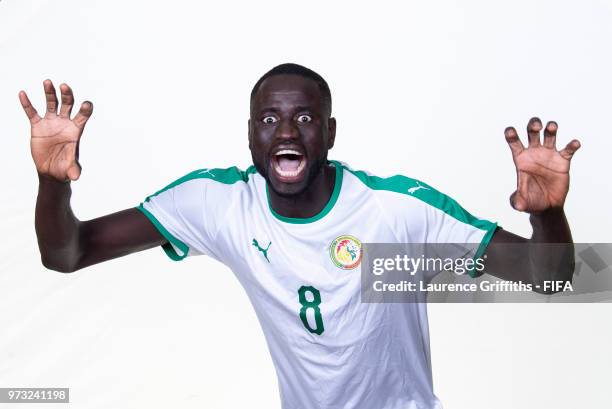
264 251
417 187
206 171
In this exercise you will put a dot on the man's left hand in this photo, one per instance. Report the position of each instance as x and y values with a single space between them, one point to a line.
542 170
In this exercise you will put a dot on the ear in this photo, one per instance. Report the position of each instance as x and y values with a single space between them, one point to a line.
250 133
331 132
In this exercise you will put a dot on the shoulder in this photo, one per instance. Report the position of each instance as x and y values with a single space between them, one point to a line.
230 176
402 191
402 185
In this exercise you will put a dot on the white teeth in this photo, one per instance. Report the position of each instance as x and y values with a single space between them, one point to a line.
290 173
288 152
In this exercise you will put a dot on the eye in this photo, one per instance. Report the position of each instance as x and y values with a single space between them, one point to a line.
269 120
304 118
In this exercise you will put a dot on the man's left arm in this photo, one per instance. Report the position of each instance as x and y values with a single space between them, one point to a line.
542 186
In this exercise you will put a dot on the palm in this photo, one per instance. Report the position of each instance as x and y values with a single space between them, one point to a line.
542 171
55 137
54 144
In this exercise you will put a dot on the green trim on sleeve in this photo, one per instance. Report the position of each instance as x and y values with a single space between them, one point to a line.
330 204
173 242
486 239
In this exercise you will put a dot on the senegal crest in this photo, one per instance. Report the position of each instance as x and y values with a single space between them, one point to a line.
345 252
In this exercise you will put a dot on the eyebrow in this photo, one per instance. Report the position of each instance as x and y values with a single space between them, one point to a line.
298 108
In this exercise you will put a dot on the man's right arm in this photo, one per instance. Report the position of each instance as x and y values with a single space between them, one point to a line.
67 244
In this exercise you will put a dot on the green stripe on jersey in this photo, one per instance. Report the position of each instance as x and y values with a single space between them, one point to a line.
226 176
422 191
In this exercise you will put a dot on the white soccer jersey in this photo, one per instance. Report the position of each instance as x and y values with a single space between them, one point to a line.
302 276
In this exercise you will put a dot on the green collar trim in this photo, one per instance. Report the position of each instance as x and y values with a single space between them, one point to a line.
330 204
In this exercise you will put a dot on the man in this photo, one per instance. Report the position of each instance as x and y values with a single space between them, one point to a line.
291 228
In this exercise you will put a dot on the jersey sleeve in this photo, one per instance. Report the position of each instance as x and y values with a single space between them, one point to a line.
418 213
189 213
447 222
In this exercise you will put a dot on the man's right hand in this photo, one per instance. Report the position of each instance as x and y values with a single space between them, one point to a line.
55 137
67 244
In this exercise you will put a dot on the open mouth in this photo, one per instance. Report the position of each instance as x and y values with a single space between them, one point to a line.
289 165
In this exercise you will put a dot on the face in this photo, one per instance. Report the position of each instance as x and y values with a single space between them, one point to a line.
290 132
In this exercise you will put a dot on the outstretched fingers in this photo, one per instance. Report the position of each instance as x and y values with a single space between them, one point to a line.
83 115
67 101
28 108
516 146
570 149
50 96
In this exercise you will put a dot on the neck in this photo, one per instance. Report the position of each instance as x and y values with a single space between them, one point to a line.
311 201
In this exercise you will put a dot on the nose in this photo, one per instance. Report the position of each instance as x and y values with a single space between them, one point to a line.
287 129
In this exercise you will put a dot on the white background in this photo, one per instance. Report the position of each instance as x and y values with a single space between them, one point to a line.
419 88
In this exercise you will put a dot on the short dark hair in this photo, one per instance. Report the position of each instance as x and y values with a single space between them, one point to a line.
296 69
